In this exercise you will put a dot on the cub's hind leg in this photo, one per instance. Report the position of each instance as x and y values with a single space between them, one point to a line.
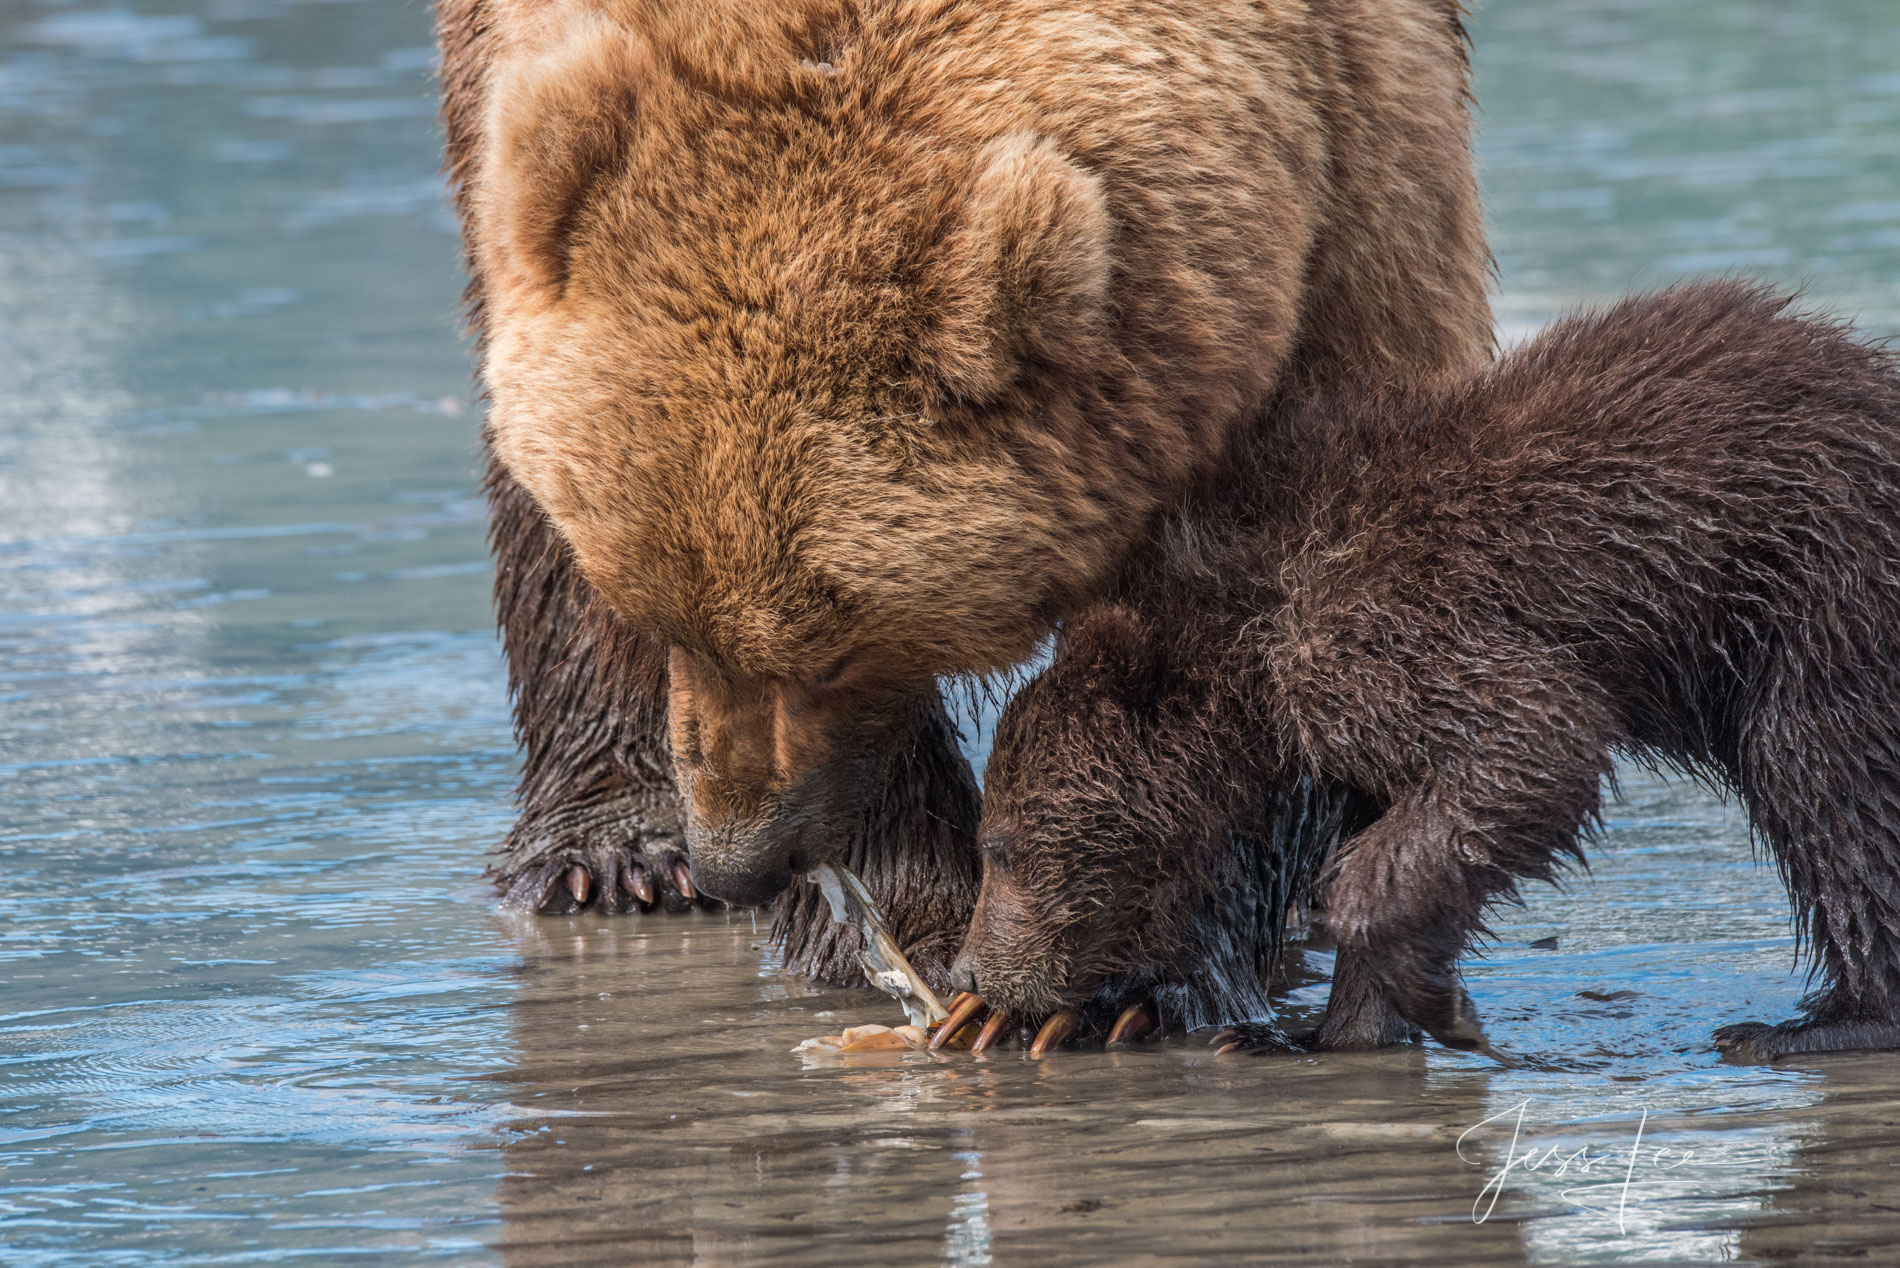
1489 761
1820 776
1358 1014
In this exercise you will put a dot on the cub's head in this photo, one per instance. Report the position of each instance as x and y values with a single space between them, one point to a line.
1103 825
799 373
1142 837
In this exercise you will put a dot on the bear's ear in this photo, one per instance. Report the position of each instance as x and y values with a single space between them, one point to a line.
558 120
1025 270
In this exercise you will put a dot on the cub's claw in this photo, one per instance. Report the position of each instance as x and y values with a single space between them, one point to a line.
614 851
963 1010
1135 1021
993 1030
1255 1038
610 879
1055 1031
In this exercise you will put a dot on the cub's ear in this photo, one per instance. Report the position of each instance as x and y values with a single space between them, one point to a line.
1116 647
558 121
1024 272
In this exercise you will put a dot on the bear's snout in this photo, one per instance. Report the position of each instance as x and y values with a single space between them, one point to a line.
750 862
741 887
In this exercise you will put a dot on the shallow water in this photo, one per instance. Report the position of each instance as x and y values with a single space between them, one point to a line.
254 996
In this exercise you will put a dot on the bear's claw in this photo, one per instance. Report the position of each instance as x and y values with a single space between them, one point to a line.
614 852
1053 1032
638 886
993 1030
1056 1031
611 879
963 1010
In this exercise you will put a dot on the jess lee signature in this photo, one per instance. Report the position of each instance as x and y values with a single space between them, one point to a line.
1602 1171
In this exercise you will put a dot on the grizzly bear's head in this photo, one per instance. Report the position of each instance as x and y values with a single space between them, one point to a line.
775 354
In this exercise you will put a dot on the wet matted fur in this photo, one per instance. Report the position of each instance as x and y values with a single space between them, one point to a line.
1671 530
840 346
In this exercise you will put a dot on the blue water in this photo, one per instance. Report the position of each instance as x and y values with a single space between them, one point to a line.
254 997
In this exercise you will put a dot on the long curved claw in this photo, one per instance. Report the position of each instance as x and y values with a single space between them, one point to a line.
1252 1037
545 884
993 1030
963 1009
1056 1031
683 878
579 884
1134 1022
639 885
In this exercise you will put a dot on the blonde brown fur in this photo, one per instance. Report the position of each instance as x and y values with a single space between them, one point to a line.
847 345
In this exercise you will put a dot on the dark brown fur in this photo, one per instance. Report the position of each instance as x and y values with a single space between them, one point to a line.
1670 531
844 346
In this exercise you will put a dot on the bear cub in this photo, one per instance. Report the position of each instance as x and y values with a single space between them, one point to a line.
1398 673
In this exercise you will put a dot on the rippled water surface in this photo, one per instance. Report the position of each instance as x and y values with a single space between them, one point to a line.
254 997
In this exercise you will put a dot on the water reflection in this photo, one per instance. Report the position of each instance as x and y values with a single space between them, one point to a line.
660 1107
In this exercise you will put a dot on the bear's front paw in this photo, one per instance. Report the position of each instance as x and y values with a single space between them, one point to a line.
605 852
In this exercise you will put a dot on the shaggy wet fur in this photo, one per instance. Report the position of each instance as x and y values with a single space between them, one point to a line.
598 794
842 346
1670 531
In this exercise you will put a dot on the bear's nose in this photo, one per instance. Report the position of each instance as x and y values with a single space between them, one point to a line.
742 887
963 977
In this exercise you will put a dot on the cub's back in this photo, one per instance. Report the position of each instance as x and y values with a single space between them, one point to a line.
1645 467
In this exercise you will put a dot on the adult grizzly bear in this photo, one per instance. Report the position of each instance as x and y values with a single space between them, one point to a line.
838 346
1670 530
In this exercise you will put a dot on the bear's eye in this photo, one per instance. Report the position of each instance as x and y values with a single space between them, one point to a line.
831 675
